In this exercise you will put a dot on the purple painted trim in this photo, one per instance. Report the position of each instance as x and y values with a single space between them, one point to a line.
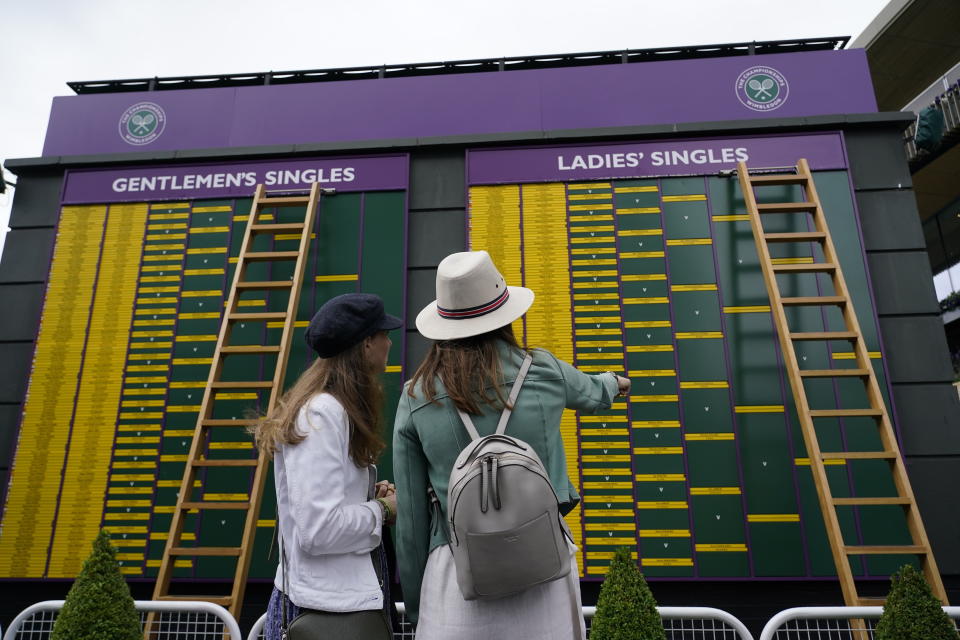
650 158
76 393
235 180
626 370
710 580
734 422
676 364
403 286
523 261
123 381
788 429
360 232
533 100
834 384
467 201
807 560
316 266
781 369
764 579
166 396
573 341
228 283
894 418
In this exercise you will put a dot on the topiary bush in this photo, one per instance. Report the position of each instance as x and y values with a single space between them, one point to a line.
912 612
99 605
626 609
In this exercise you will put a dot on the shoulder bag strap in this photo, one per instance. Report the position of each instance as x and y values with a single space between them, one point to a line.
286 587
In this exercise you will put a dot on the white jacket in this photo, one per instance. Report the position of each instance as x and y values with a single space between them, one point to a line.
328 526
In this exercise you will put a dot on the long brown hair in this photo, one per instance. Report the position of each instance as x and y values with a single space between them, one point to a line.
350 378
469 368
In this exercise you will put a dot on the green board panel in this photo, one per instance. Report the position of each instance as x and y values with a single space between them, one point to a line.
722 484
182 275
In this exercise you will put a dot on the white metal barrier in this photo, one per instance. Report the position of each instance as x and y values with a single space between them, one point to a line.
182 620
827 623
679 623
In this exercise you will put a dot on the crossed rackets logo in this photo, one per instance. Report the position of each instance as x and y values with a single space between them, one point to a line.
142 123
762 88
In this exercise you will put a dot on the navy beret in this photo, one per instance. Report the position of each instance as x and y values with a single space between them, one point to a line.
345 321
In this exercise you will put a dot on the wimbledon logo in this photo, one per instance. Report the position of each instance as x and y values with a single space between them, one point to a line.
762 88
142 123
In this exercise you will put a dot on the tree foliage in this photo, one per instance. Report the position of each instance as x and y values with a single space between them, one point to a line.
99 605
912 612
626 609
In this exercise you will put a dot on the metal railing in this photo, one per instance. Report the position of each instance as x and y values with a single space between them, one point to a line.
949 105
828 623
679 623
184 620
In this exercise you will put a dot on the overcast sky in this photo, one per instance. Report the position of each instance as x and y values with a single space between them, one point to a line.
46 43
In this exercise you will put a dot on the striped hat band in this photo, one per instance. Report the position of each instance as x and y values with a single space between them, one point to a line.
475 312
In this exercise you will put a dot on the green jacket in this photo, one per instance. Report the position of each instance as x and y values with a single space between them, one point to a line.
428 437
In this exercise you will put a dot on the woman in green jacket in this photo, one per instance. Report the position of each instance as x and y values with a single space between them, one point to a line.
471 366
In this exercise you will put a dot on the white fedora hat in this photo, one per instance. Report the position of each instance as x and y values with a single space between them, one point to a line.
472 298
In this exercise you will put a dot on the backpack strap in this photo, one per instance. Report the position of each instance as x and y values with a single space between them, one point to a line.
505 416
514 392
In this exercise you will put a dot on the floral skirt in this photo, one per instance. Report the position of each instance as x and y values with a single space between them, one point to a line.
271 628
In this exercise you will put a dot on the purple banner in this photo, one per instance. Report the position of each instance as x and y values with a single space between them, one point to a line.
534 100
368 173
656 158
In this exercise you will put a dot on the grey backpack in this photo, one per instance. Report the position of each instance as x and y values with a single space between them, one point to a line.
506 532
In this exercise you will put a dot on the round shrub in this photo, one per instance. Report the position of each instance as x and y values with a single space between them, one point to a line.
99 605
912 612
626 609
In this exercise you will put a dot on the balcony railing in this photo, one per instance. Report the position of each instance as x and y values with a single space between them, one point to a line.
948 104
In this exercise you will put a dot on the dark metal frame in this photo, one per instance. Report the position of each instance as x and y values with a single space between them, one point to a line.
624 56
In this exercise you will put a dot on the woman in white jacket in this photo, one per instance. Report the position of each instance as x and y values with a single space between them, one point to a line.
325 436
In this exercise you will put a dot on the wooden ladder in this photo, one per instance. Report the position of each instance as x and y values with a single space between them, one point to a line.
216 385
862 370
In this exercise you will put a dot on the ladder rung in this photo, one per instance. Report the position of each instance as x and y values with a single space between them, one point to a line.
276 228
266 284
844 413
833 373
814 300
223 601
811 236
252 462
221 422
223 506
263 384
871 602
858 455
225 422
869 501
776 179
815 267
205 551
261 315
255 256
219 387
282 201
884 549
251 348
786 207
824 335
